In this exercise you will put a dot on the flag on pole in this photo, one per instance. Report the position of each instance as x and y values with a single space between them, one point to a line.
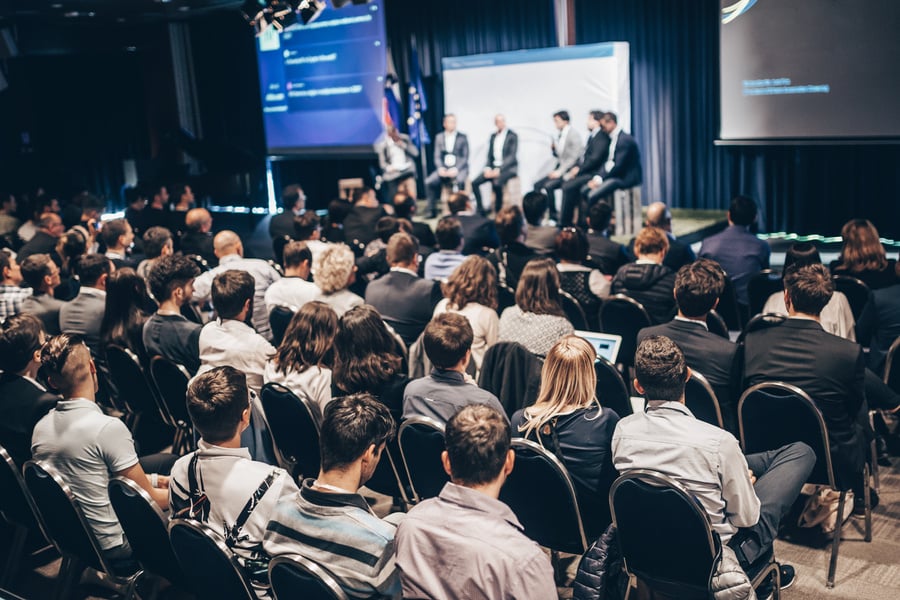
417 104
391 94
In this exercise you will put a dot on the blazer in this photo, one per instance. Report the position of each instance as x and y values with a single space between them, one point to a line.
22 404
605 254
46 308
411 153
740 253
460 151
478 232
83 315
570 153
510 162
282 224
405 301
626 162
595 152
41 243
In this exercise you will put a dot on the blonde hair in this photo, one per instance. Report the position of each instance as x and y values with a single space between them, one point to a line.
333 268
568 383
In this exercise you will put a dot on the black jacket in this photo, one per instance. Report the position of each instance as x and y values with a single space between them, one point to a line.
512 373
650 284
600 573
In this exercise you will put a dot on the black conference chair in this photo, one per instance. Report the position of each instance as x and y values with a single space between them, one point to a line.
716 324
700 398
761 322
760 287
64 525
210 566
388 479
506 297
294 423
541 494
574 312
624 316
279 319
799 420
611 388
729 308
18 511
133 389
501 361
421 442
858 293
892 367
666 538
145 527
171 381
293 576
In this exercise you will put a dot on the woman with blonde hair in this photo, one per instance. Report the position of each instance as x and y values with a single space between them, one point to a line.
335 272
471 290
568 420
863 256
537 320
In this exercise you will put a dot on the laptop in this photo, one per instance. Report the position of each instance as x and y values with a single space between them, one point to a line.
606 344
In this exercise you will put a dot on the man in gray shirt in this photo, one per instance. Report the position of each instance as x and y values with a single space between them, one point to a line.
167 332
466 543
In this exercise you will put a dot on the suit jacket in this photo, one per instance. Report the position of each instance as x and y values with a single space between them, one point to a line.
405 301
41 243
828 368
740 253
509 159
411 154
195 242
542 238
282 224
83 315
605 254
460 151
626 162
478 232
595 152
22 404
570 153
46 308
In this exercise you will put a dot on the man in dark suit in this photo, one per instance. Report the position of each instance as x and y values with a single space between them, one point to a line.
604 254
451 163
293 201
697 290
50 228
596 150
478 231
42 276
118 237
679 253
83 314
501 166
567 149
406 301
198 239
828 368
622 168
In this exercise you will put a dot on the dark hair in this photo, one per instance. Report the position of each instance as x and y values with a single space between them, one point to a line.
457 202
91 267
651 240
571 244
473 280
155 239
809 287
538 288
366 353
350 425
406 206
534 205
134 194
112 231
124 318
600 215
449 233
216 401
171 272
742 211
510 222
305 225
402 248
289 196
337 211
230 290
447 338
801 254
360 193
6 259
308 340
562 114
55 355
385 227
87 201
697 287
73 245
611 116
660 369
34 269
20 337
597 115
478 439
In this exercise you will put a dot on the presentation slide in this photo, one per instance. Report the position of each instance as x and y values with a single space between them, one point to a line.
807 69
322 84
528 86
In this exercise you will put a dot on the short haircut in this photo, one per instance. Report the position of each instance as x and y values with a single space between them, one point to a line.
404 205
87 201
611 116
216 400
48 220
337 211
457 202
295 254
660 369
651 240
478 439
6 259
66 361
562 114
571 244
385 227
509 222
155 240
230 290
600 215
447 338
196 219
133 194
534 205
112 231
402 249
449 233
170 272
697 287
305 225
360 193
91 267
350 424
35 268
597 115
20 336
742 210
809 287
289 196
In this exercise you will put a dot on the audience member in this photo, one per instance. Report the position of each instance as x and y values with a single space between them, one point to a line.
8 221
157 243
198 239
118 237
679 253
335 273
49 228
127 308
294 289
863 256
136 201
588 286
512 255
449 256
540 237
83 315
478 232
293 203
359 224
648 280
466 543
167 332
333 232
537 320
70 247
12 294
405 208
307 228
42 276
43 205
879 324
328 521
156 213
606 254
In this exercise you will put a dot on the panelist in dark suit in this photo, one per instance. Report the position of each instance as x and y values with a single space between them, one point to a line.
501 166
478 232
451 162
622 168
589 164
567 148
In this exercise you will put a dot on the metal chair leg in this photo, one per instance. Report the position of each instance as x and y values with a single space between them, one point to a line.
69 571
836 543
876 482
868 497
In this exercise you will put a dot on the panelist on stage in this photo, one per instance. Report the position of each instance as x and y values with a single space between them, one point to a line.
451 163
567 149
502 164
396 154
622 168
589 164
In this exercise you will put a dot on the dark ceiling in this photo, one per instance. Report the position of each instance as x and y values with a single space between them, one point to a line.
121 11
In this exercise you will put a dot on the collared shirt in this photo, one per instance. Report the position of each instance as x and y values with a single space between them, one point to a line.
466 545
11 298
613 140
291 292
706 460
441 395
561 138
395 155
233 343
440 265
497 148
694 321
404 270
449 141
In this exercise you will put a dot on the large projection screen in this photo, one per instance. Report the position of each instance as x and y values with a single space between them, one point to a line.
528 86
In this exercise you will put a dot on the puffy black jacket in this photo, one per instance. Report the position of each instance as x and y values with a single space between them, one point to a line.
650 284
600 573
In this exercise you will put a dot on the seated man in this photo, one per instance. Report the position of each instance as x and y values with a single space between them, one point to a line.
451 163
12 294
359 224
83 315
448 345
293 203
466 543
502 164
167 332
405 208
198 239
157 243
478 232
679 254
218 402
648 280
294 289
622 168
567 148
42 276
118 237
606 255
745 497
441 264
540 238
94 447
328 521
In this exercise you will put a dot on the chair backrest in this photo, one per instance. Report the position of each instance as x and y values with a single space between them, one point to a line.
716 324
293 576
728 306
500 361
133 389
858 293
761 322
574 311
279 319
772 414
624 316
541 494
892 367
506 297
209 565
294 424
171 381
16 504
664 534
611 388
389 477
760 286
701 400
421 441
145 527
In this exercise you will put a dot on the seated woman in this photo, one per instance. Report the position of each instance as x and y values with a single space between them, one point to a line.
648 280
569 421
863 256
335 272
537 320
836 317
471 291
512 255
586 285
128 306
305 357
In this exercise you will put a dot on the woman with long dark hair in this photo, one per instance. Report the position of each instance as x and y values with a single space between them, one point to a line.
127 304
537 320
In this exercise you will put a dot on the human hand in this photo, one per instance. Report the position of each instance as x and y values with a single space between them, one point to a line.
752 477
